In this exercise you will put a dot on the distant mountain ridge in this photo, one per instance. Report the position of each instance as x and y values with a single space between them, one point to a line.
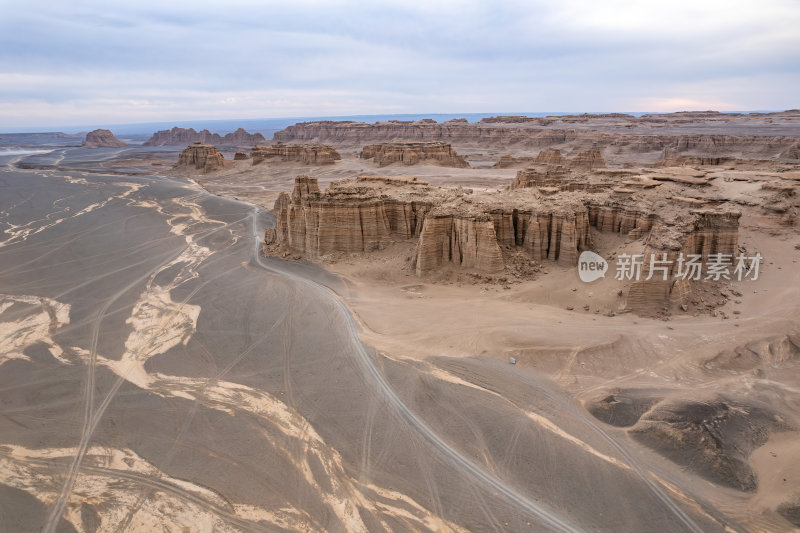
185 136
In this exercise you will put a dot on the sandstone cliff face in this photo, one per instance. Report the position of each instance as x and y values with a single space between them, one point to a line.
704 232
509 161
314 224
713 233
633 134
364 214
412 153
308 154
464 242
557 236
540 176
551 157
621 219
792 152
545 157
240 156
348 133
477 231
101 139
201 157
588 160
179 136
671 157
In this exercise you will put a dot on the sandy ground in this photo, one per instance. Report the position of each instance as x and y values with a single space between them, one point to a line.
261 184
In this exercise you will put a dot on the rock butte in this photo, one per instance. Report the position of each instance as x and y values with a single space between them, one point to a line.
101 139
201 157
412 153
478 230
179 136
308 154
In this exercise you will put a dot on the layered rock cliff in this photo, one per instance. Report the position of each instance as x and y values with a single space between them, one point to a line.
713 232
412 153
453 227
101 139
588 160
467 242
704 232
626 134
308 154
348 217
483 231
540 176
544 157
348 133
200 156
671 157
180 136
792 152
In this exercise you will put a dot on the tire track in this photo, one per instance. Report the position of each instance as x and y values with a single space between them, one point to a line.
370 369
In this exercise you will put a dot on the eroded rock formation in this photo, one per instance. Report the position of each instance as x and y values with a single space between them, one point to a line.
308 154
101 139
200 156
180 136
363 214
476 231
792 152
545 157
412 153
588 160
671 157
453 226
620 138
540 176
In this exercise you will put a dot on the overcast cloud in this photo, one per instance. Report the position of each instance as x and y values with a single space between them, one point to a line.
70 63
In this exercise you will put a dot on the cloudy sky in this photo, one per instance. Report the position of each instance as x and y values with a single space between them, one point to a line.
86 62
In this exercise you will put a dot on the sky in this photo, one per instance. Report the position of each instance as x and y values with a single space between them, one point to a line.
90 62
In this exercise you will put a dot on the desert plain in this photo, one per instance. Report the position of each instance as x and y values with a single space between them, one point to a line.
382 327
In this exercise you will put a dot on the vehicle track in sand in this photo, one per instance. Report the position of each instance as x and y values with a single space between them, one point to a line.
544 514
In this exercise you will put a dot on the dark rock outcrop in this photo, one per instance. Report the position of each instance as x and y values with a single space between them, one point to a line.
713 438
623 408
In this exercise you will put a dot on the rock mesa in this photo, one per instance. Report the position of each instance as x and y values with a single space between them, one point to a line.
101 139
412 153
200 156
307 154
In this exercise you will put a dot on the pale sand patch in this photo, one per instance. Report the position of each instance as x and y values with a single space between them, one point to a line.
16 335
102 484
